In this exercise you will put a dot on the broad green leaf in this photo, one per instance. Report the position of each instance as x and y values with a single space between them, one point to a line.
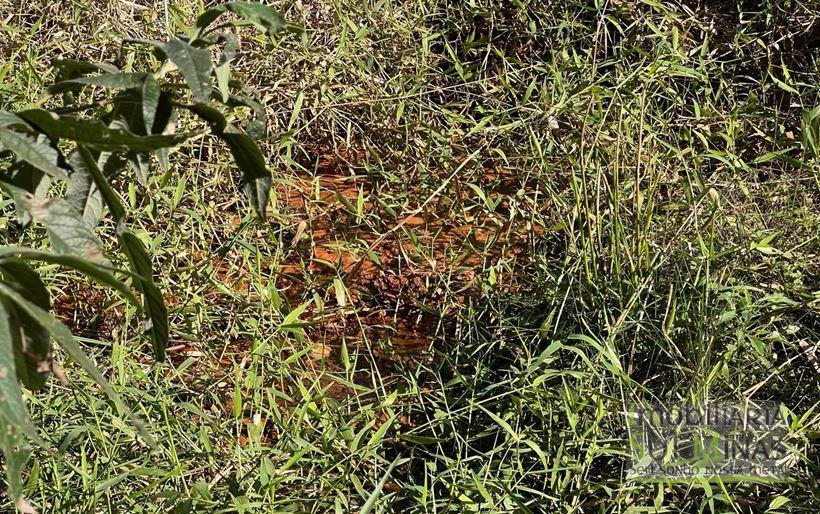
16 453
150 103
82 193
36 152
8 119
25 280
248 157
262 16
90 269
104 187
14 420
129 116
34 343
63 336
144 110
164 123
205 19
20 197
154 304
20 180
70 68
140 262
127 112
68 232
164 163
211 115
222 71
255 174
67 69
12 409
95 133
107 81
139 163
194 64
26 373
223 77
164 117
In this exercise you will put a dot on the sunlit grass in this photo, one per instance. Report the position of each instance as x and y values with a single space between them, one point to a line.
618 203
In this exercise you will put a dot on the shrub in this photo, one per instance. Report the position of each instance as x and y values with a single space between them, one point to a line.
108 122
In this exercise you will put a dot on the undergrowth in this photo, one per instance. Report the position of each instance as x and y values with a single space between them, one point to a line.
494 225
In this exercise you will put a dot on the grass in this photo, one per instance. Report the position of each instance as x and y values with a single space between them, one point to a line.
493 227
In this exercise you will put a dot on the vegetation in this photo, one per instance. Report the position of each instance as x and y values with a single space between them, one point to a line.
491 226
123 130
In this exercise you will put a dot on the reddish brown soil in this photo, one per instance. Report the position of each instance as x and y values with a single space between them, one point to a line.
400 292
83 309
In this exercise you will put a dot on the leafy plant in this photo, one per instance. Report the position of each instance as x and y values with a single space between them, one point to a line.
109 121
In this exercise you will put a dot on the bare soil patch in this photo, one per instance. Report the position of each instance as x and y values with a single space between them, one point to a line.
402 290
